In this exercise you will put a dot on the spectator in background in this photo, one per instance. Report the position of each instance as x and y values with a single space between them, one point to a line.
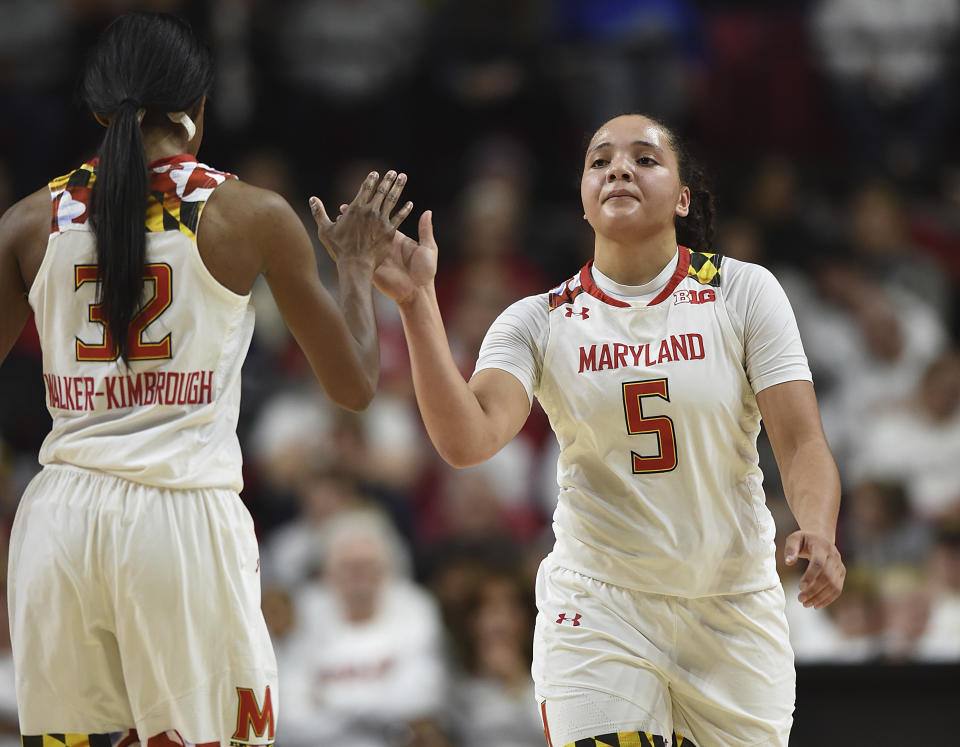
879 529
889 68
780 212
293 553
493 689
606 47
334 72
918 443
906 597
876 221
869 345
941 638
35 51
484 65
366 655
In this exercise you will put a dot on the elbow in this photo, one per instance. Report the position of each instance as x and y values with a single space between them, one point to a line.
461 454
356 398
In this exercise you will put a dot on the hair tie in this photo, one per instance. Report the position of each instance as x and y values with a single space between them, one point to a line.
141 111
183 118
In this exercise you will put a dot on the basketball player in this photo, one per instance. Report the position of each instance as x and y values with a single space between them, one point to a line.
660 611
133 577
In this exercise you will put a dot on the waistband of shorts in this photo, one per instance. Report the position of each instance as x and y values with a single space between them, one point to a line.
551 564
100 476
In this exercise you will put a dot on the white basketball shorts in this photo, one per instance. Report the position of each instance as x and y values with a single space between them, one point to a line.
642 667
138 607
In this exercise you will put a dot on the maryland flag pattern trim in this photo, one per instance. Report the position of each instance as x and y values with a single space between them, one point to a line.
128 738
179 188
630 739
116 739
565 293
705 267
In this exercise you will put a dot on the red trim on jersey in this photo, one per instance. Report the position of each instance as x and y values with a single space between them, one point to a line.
546 729
682 267
586 282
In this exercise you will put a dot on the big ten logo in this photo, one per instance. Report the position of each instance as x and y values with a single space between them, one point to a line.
252 716
709 295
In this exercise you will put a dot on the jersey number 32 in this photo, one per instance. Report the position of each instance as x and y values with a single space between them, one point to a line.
159 277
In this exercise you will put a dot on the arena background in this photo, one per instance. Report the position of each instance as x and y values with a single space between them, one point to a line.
829 132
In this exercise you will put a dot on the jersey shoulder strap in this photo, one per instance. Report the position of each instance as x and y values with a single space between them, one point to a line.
705 267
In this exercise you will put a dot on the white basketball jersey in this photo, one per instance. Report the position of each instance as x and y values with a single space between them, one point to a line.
659 484
170 418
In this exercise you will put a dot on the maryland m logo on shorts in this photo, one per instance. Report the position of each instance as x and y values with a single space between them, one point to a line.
255 722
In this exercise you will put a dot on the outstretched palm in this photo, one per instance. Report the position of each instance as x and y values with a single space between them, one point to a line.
409 264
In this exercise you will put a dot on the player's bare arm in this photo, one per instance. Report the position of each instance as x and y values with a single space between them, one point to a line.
811 484
468 423
23 238
246 231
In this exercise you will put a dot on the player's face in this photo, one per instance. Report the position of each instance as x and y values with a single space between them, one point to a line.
630 185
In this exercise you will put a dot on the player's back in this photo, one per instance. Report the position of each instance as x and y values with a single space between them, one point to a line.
167 417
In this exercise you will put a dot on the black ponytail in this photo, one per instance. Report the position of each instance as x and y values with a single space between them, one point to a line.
119 202
143 66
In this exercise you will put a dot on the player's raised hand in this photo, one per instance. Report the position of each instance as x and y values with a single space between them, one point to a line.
822 581
364 230
409 265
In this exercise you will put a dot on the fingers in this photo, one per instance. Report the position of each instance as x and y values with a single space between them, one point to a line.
366 189
822 581
393 194
425 228
319 214
384 188
826 588
401 215
791 548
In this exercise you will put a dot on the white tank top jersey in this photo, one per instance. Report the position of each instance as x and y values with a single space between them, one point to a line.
170 418
650 391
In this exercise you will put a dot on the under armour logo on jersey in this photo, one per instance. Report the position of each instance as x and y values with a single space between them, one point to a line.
584 314
574 621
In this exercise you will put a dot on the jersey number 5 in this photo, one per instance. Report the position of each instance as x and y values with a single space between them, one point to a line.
157 275
659 425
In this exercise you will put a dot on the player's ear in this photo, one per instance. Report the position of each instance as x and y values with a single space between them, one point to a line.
683 202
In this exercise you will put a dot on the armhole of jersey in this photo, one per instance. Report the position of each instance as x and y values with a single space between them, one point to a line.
40 277
727 318
204 270
546 350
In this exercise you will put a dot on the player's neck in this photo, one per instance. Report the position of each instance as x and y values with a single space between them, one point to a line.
635 263
163 143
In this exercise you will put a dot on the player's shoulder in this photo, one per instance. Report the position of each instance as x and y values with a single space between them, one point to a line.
28 218
32 210
240 208
739 275
565 293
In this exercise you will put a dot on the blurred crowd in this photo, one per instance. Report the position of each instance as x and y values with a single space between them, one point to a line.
399 590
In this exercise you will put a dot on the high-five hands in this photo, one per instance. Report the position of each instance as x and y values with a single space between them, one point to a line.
409 265
365 229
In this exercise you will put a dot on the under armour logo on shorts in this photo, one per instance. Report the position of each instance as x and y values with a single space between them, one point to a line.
574 621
